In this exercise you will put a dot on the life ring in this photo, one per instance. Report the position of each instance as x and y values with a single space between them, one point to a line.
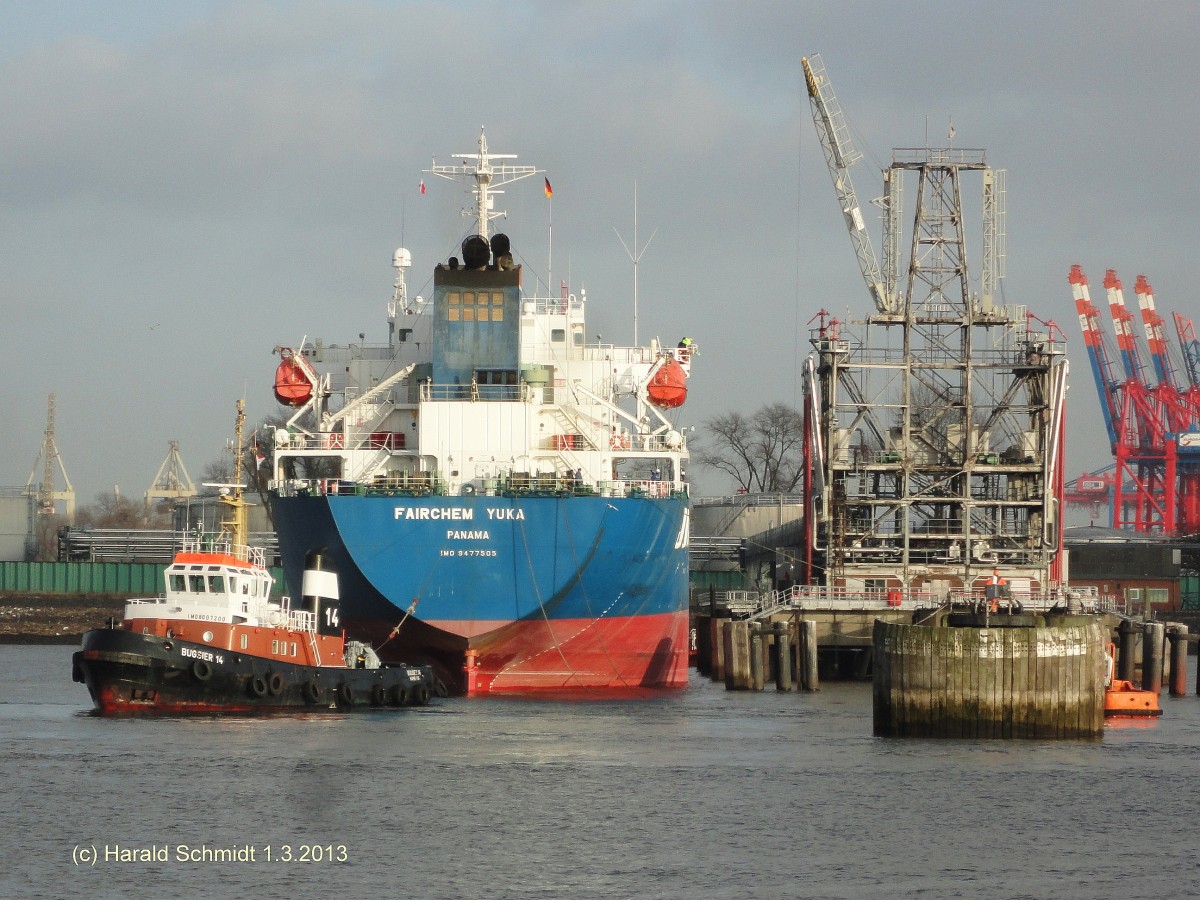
420 695
346 693
258 686
201 670
400 695
275 683
312 693
619 443
379 694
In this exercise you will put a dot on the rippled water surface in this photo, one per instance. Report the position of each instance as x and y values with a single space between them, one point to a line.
695 794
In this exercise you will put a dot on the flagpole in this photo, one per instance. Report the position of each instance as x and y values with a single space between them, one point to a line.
549 240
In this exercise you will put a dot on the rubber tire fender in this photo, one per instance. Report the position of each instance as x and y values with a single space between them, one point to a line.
258 686
420 695
201 670
400 695
275 683
346 693
379 694
312 691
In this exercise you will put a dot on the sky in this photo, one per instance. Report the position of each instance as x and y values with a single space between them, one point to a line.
185 185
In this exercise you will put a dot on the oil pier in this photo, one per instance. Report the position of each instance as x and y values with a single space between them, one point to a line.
930 541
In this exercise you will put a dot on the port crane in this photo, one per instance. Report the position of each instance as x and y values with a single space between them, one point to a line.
1152 418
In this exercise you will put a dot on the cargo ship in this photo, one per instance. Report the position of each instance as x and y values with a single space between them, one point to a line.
217 641
517 491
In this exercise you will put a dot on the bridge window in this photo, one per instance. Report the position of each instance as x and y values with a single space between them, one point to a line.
196 584
177 583
216 584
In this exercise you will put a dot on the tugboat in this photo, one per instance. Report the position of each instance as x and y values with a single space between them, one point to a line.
216 642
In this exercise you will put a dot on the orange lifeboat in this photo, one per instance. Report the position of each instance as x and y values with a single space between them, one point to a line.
292 386
668 385
1123 700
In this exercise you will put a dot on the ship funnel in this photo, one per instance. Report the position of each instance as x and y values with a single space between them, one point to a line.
319 592
476 252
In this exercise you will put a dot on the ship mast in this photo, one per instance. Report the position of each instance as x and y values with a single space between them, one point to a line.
233 500
478 168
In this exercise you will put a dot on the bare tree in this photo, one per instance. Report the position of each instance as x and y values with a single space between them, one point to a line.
762 453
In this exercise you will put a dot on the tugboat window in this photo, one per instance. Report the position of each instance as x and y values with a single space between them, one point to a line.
196 584
178 583
216 584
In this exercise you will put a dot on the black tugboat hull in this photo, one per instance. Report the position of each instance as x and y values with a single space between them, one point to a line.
129 673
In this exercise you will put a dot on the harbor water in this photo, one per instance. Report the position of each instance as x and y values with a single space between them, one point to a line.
698 794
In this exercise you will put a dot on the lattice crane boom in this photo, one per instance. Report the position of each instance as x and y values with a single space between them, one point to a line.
840 156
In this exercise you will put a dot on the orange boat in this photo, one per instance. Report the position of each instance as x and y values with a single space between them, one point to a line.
1123 700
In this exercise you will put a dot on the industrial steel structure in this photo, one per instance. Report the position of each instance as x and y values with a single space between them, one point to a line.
934 426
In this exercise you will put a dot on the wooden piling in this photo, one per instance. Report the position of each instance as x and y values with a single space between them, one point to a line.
809 679
1178 636
737 656
757 680
783 658
716 632
704 651
1042 681
1153 642
1127 634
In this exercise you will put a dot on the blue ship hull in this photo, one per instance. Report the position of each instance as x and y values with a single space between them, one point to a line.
511 593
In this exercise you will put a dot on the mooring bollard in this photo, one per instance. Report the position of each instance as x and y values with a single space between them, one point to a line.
1152 656
1126 648
808 655
1178 636
783 658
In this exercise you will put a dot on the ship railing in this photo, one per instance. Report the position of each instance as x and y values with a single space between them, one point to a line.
550 305
220 544
818 598
751 499
473 391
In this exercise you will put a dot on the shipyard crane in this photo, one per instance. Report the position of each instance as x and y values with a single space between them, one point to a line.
840 156
48 455
172 481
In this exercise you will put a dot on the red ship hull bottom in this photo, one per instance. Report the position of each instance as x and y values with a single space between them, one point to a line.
580 654
616 655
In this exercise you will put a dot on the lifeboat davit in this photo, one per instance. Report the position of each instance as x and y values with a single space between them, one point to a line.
668 385
292 387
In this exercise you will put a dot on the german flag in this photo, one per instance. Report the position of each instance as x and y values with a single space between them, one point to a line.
549 190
